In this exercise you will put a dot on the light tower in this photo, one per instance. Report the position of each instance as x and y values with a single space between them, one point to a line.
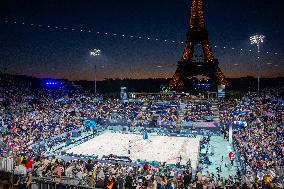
95 52
257 39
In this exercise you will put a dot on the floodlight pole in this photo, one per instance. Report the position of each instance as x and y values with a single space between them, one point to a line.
95 79
258 70
95 52
257 39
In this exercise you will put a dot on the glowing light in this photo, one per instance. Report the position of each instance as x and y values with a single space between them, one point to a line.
52 83
95 52
256 39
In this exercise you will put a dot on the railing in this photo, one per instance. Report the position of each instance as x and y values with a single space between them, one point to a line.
7 175
6 164
6 172
7 168
62 183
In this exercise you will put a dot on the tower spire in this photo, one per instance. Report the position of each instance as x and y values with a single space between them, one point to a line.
196 15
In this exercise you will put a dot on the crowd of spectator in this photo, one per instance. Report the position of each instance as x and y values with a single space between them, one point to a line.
198 111
257 121
32 113
111 176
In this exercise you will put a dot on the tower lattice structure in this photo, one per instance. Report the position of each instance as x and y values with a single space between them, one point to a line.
188 67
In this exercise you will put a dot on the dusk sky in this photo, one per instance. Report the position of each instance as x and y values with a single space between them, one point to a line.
50 43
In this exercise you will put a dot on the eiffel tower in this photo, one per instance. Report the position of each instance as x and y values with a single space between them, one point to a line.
189 66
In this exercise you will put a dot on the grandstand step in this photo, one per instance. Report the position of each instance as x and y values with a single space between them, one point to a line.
216 113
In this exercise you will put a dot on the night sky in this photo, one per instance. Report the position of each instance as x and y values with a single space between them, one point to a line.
53 51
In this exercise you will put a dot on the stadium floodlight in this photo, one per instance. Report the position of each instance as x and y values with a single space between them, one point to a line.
95 52
257 39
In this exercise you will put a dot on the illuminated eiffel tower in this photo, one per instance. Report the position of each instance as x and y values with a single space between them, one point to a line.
188 66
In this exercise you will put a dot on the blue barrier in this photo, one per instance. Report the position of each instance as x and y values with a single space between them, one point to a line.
208 118
90 123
